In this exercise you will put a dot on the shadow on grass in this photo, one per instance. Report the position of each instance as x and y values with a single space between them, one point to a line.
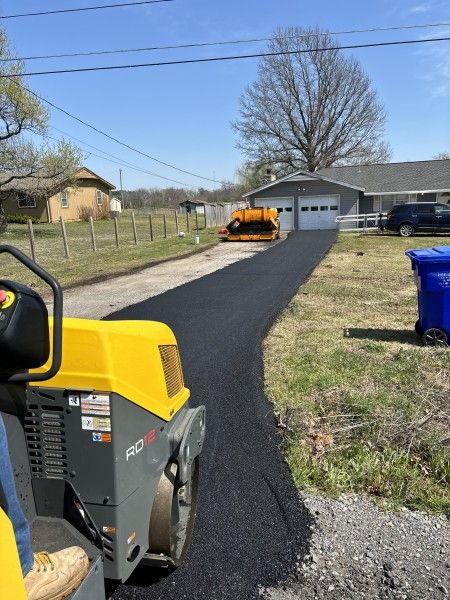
403 336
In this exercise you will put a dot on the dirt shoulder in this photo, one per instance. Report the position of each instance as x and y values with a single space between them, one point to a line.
96 300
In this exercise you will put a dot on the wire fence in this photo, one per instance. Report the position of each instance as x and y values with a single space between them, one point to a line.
131 228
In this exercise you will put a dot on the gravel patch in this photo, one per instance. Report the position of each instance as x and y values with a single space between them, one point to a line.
360 551
96 300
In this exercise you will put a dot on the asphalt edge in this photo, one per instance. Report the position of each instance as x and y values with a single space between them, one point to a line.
303 544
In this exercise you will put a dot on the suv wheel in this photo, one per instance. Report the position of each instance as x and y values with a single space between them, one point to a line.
406 229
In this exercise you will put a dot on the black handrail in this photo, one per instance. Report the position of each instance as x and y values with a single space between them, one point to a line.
57 317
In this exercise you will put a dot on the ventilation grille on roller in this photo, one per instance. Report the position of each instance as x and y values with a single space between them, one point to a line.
46 441
172 369
108 548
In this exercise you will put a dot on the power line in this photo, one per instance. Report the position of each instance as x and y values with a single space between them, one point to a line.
117 160
223 58
83 8
219 43
114 139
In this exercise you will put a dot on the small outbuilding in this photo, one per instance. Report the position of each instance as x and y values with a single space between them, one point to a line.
195 207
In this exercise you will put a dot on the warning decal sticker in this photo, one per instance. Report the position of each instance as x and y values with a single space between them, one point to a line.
95 404
97 423
87 422
97 436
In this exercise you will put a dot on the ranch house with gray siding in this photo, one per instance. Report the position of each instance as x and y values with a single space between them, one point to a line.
313 200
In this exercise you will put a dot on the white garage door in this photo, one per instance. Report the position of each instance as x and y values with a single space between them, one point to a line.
285 207
318 212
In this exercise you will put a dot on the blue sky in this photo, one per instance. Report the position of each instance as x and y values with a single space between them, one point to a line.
182 114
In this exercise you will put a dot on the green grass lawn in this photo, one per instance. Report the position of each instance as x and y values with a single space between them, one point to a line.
362 405
83 264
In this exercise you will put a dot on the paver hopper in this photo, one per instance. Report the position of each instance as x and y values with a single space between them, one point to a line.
252 224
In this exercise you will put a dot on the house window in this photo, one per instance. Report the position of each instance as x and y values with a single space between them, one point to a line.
323 208
99 197
388 201
443 197
64 197
24 201
305 208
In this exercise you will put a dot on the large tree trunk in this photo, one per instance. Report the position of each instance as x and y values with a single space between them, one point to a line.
3 222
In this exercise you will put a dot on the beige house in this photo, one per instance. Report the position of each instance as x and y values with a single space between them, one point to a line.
87 192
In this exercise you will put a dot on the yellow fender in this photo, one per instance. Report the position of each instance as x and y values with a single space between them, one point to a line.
11 580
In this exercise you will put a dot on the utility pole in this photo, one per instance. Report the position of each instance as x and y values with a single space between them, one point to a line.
121 189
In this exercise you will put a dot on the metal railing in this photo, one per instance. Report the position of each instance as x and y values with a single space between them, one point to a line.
363 222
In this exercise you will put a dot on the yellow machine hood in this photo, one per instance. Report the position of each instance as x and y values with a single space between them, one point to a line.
136 359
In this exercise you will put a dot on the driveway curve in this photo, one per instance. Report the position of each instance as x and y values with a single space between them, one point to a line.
251 528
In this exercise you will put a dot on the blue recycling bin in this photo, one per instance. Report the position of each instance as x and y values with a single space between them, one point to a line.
431 268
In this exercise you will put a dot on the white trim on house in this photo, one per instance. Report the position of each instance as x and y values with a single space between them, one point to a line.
405 192
309 175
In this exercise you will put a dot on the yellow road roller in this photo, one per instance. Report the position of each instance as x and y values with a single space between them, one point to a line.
252 224
104 445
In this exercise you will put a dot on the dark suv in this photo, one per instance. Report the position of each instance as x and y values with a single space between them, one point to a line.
406 219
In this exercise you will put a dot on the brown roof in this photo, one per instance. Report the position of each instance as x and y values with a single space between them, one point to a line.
42 181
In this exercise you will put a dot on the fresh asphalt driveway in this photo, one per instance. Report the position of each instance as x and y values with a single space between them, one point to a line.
251 527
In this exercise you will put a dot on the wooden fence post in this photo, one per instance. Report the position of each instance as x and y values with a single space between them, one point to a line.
196 221
150 222
165 225
31 234
91 226
64 234
187 223
177 227
116 230
133 220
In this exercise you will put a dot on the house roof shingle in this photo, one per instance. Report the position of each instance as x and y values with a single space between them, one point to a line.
419 176
42 182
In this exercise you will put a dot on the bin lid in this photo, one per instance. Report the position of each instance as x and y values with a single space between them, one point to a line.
436 254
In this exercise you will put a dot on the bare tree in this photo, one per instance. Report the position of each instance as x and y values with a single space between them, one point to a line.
309 108
442 156
22 160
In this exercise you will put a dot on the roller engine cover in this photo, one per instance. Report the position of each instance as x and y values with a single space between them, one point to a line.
24 330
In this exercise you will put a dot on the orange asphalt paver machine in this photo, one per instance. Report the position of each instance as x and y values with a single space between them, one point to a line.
252 224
